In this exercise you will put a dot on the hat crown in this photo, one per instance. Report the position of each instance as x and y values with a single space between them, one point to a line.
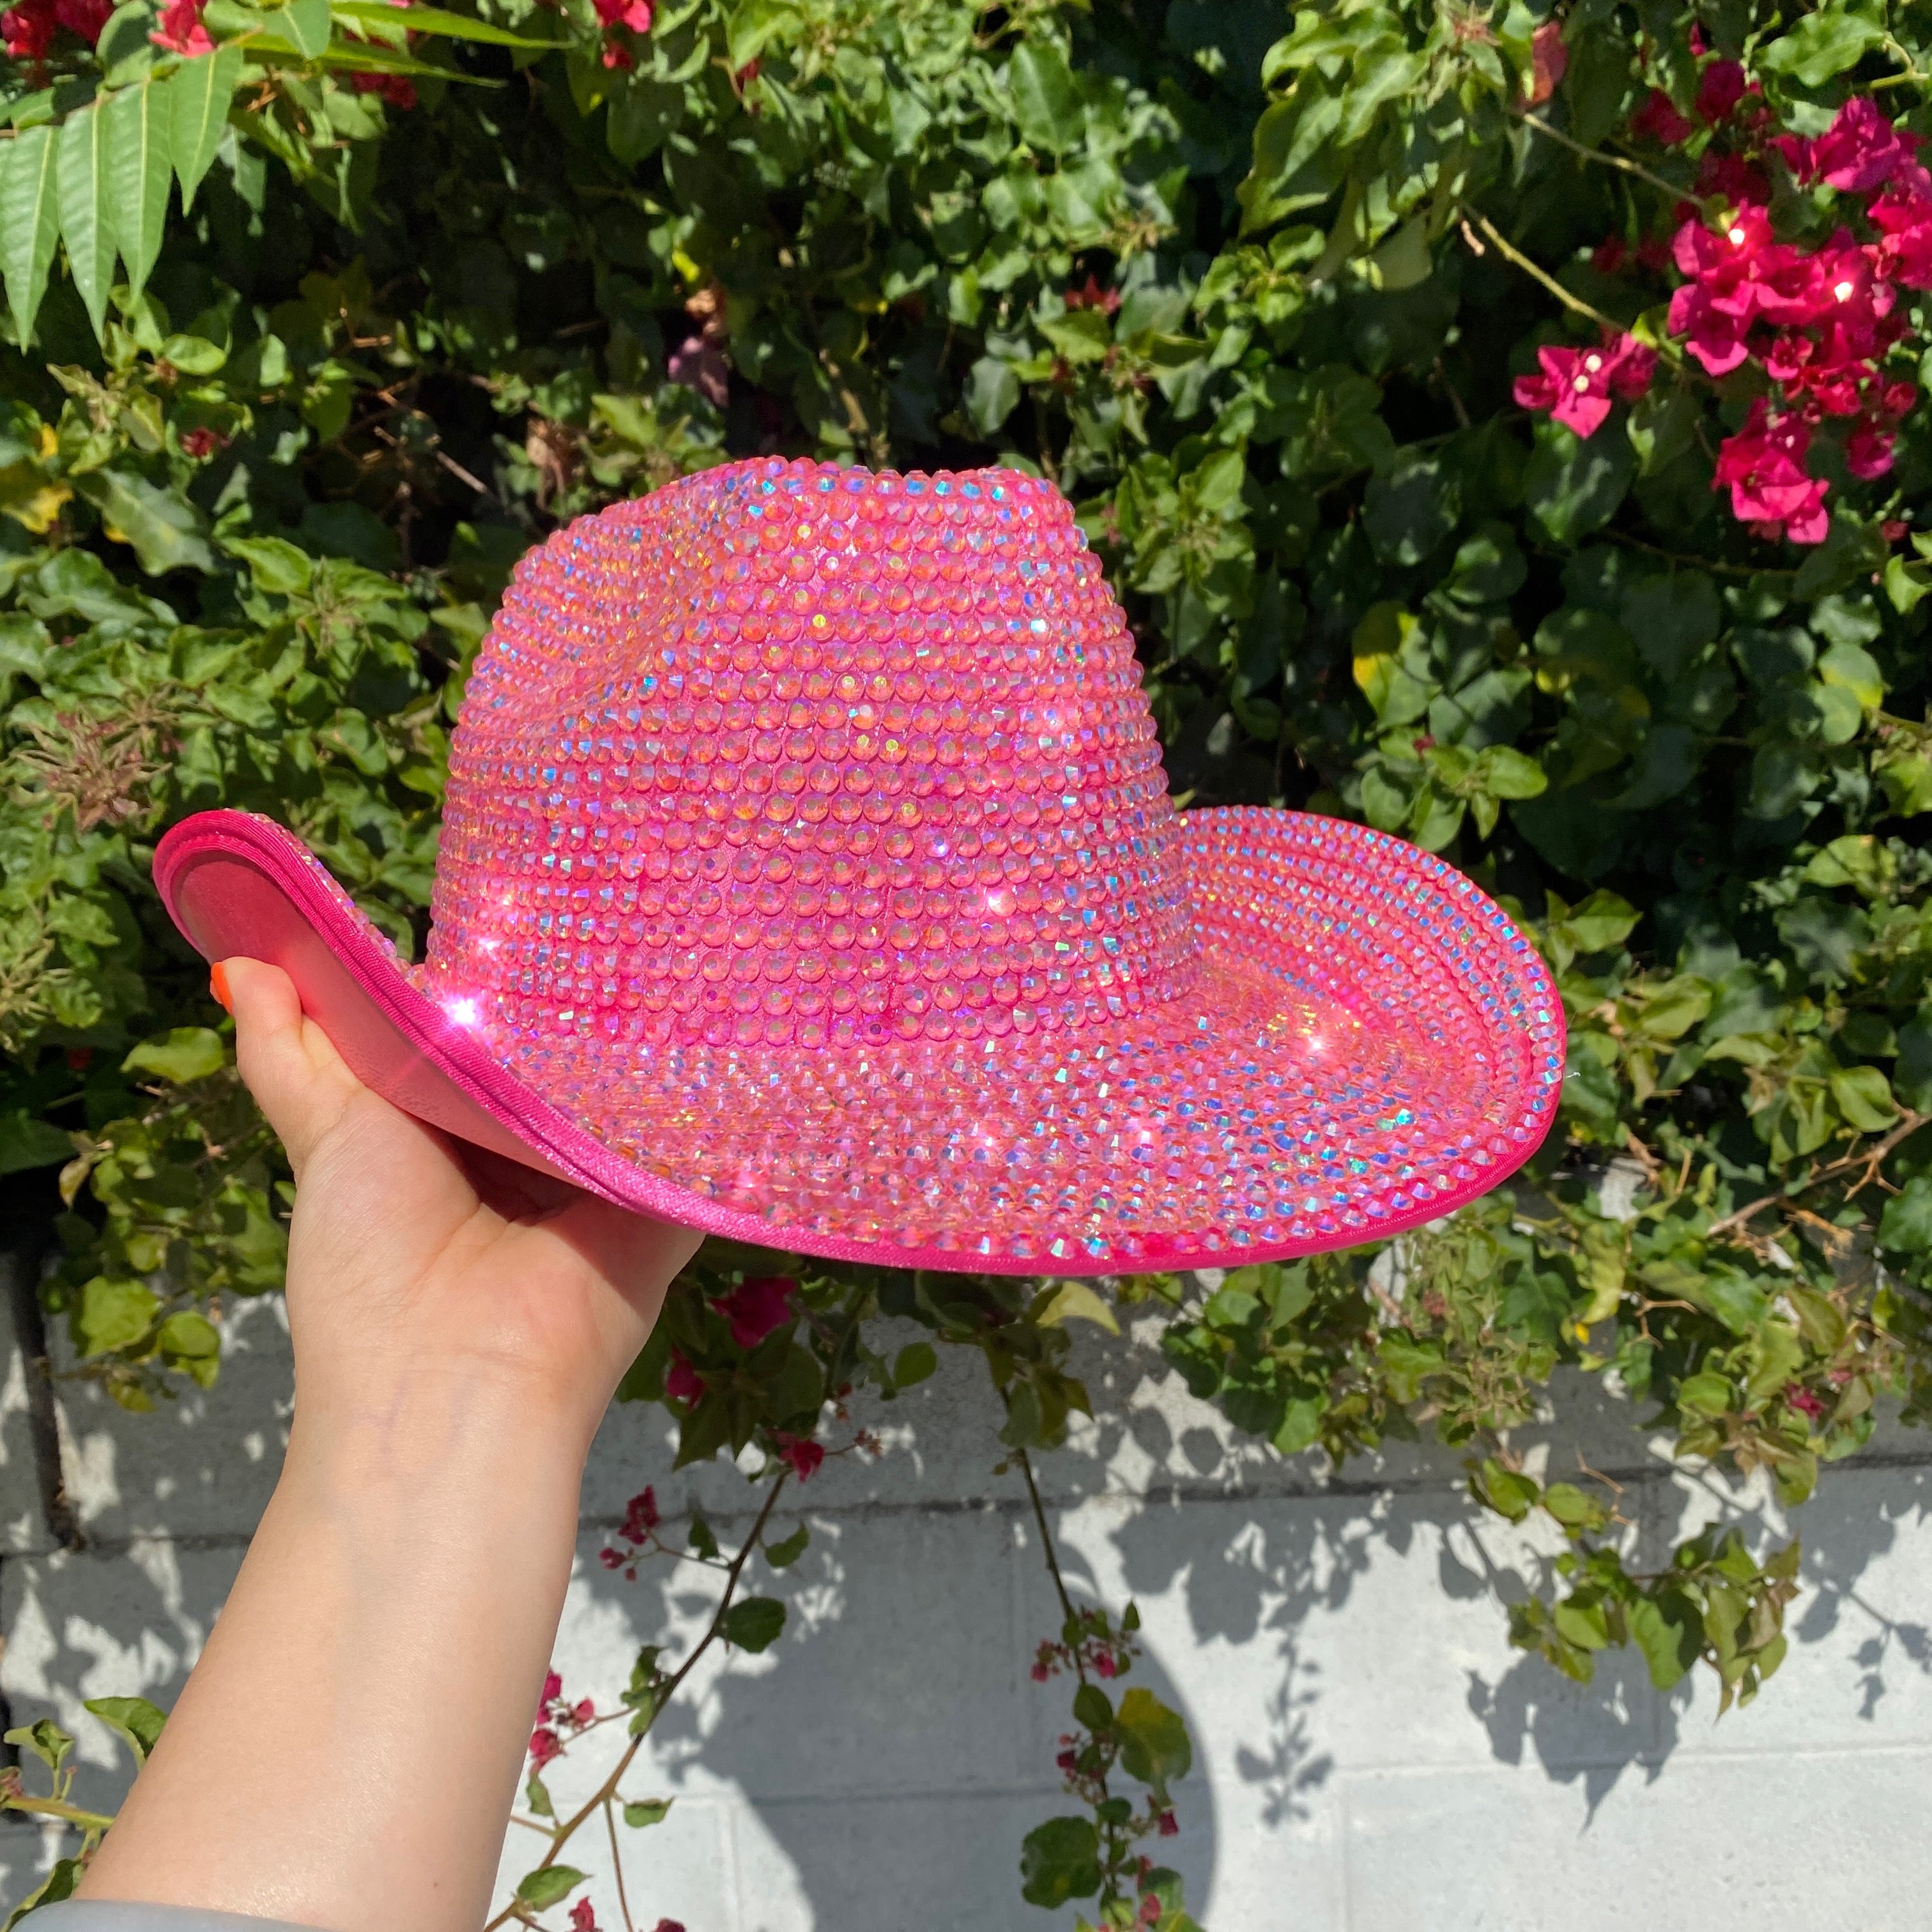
798 754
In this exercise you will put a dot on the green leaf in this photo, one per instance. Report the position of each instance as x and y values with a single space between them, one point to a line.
991 394
915 1362
136 1720
1863 1097
85 226
1906 1226
276 565
1046 98
165 529
140 166
1670 1637
26 1143
180 1055
781 1555
1068 1301
1060 1860
1821 45
536 1795
754 1624
1154 1744
44 1739
640 1812
437 20
303 24
548 1886
198 94
114 1314
29 222
1092 1708
189 1337
1704 1394
1574 484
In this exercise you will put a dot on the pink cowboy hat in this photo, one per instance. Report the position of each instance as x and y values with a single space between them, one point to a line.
808 876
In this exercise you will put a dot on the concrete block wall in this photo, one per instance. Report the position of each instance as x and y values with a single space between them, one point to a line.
1372 1755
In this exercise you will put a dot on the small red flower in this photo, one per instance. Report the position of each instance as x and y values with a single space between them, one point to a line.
1091 295
1658 120
181 31
1807 1402
1719 87
666 1925
582 1916
397 89
202 443
552 1690
1168 1825
801 1452
78 1058
1892 529
1040 1673
640 1516
756 1307
1104 1665
544 1745
683 1383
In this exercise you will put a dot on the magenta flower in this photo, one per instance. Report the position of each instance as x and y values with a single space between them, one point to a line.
582 1916
1763 466
758 1306
1658 120
181 31
801 1452
1868 450
544 1745
1719 87
683 1383
640 1516
1577 385
1862 150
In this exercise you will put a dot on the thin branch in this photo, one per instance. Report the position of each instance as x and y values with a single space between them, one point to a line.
1869 1160
1609 161
617 1865
1052 1559
569 1827
1511 253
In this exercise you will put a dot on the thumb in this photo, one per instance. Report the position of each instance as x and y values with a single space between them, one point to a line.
297 1077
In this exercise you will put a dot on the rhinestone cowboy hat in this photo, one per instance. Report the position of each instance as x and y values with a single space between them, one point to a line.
808 876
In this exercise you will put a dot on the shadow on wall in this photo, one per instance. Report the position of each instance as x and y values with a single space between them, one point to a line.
885 1759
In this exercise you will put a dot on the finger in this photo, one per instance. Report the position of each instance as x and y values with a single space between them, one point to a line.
297 1079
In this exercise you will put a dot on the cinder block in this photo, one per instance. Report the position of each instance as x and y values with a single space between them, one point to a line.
1831 1842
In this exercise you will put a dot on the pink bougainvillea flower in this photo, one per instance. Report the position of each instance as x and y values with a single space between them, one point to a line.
1658 120
803 1454
1168 1825
1763 466
1861 150
1549 60
582 1916
640 1516
683 1383
666 1925
397 89
544 1745
1577 385
27 30
1868 450
1807 1402
1903 216
201 443
1731 178
1719 87
552 1689
755 1307
83 18
634 14
181 31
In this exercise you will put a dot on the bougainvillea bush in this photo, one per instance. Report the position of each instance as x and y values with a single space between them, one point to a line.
1504 423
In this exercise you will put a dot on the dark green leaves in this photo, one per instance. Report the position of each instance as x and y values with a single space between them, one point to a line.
548 1885
197 95
87 226
138 127
754 1623
135 1719
1046 100
1060 1860
29 221
1574 484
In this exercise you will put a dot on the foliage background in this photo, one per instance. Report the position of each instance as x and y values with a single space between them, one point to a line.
1253 289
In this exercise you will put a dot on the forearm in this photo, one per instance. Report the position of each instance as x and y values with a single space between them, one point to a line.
346 1752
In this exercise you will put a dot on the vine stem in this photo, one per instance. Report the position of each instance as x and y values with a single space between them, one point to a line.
1510 253
1052 1556
1609 161
1868 1160
607 1790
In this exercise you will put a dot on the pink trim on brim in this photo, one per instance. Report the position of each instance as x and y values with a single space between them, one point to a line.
238 886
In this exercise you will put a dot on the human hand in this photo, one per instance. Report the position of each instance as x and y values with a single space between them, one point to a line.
413 1257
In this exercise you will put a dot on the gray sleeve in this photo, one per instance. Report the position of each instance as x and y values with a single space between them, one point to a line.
77 1914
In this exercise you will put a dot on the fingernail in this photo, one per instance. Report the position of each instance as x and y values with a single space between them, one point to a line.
217 985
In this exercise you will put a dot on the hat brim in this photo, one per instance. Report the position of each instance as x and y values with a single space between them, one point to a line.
1370 1044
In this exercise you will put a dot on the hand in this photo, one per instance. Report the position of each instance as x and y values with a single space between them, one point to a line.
345 1752
411 1255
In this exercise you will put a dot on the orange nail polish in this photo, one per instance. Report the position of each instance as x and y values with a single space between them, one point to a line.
217 985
